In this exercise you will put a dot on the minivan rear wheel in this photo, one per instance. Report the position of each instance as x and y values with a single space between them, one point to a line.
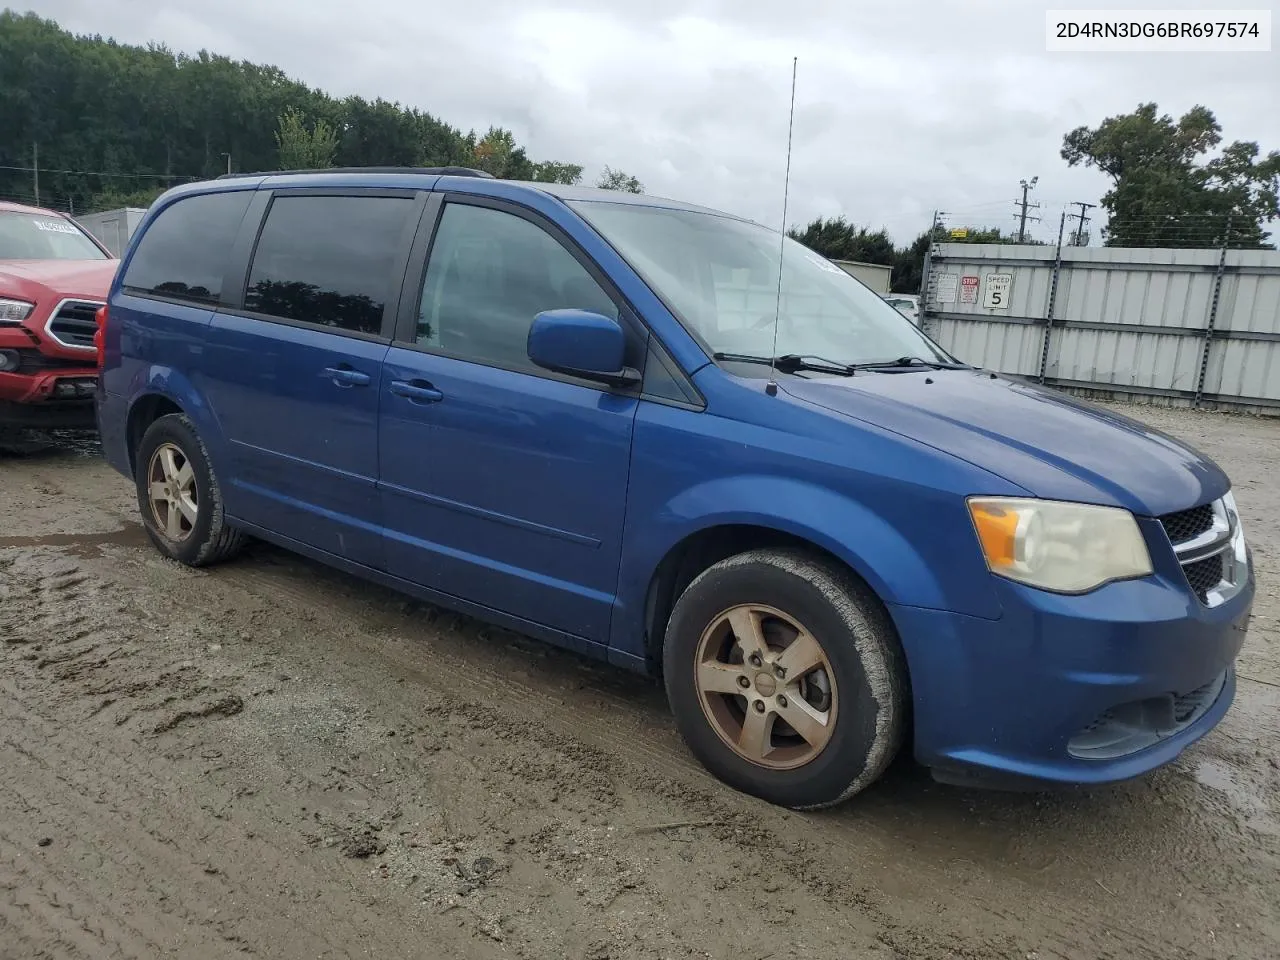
786 678
179 497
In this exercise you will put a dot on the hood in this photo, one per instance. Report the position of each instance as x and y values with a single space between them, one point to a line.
30 279
1049 444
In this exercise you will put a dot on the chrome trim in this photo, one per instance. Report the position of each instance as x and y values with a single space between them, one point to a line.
53 315
1212 541
1226 539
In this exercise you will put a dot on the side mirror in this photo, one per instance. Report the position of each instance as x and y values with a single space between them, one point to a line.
583 344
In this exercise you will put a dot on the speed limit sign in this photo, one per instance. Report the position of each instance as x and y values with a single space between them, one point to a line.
996 290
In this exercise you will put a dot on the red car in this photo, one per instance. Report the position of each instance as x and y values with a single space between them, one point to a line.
53 278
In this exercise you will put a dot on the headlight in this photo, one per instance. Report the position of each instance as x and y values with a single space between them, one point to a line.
14 311
1064 547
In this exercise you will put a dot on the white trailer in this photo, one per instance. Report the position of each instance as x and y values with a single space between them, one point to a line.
113 227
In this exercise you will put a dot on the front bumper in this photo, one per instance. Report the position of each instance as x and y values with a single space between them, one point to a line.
57 386
1023 698
61 399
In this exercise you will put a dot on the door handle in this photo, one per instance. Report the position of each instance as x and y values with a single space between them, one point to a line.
419 391
346 377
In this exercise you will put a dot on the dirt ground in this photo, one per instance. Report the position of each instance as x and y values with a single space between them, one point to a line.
273 759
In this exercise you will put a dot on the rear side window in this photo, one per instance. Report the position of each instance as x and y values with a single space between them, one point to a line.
183 255
329 261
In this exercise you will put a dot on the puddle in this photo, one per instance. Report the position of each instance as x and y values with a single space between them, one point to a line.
1242 795
130 535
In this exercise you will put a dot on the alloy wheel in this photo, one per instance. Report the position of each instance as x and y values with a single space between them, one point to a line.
766 686
171 490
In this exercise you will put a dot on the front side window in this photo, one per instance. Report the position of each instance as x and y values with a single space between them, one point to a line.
328 261
185 250
489 275
721 276
38 236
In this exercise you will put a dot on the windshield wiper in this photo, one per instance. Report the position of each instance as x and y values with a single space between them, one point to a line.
791 363
912 362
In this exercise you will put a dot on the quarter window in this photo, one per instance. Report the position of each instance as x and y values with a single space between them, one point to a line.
183 254
489 275
328 261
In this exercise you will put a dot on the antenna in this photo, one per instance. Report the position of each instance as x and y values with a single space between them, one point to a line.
771 388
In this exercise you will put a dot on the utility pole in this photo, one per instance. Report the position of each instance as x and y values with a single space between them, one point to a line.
924 293
1027 186
35 169
1079 238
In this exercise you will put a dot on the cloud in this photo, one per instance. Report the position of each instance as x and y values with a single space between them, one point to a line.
901 108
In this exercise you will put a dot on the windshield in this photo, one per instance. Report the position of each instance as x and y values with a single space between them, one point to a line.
37 236
721 276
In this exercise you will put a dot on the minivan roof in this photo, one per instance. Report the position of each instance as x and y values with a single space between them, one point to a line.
430 171
466 180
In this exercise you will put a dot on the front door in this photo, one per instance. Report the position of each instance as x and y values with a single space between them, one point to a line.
503 484
294 377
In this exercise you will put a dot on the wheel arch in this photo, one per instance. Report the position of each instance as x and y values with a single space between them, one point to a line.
711 543
161 391
143 412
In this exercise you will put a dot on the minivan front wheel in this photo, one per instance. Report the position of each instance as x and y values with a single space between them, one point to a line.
786 678
179 497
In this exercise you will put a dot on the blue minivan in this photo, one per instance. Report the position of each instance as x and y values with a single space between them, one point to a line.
666 437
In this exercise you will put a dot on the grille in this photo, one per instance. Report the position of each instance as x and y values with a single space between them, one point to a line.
74 324
1204 575
1188 524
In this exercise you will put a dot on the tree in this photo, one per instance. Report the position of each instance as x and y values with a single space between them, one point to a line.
613 179
908 262
303 149
1163 190
114 199
496 153
552 171
107 115
838 239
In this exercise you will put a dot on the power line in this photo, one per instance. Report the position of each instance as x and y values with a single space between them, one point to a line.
103 173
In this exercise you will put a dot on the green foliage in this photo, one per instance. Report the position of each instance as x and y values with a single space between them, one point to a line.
838 239
552 171
140 117
613 179
114 199
301 148
1164 193
908 264
496 153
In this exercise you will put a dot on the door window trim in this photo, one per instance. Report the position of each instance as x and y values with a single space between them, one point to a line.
246 248
638 335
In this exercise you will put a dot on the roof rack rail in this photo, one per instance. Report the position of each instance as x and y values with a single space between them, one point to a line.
434 171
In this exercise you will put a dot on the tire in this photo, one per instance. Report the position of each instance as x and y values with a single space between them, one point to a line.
860 680
199 535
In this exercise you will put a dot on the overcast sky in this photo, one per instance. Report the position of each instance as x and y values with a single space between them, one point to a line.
903 106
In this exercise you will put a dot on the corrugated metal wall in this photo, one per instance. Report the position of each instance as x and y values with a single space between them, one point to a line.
1182 326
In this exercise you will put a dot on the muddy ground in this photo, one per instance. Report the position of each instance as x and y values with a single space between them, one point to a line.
272 759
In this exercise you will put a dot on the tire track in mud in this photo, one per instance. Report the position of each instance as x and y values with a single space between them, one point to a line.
610 740
399 773
163 848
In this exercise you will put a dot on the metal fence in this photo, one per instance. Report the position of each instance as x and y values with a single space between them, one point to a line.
1197 327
